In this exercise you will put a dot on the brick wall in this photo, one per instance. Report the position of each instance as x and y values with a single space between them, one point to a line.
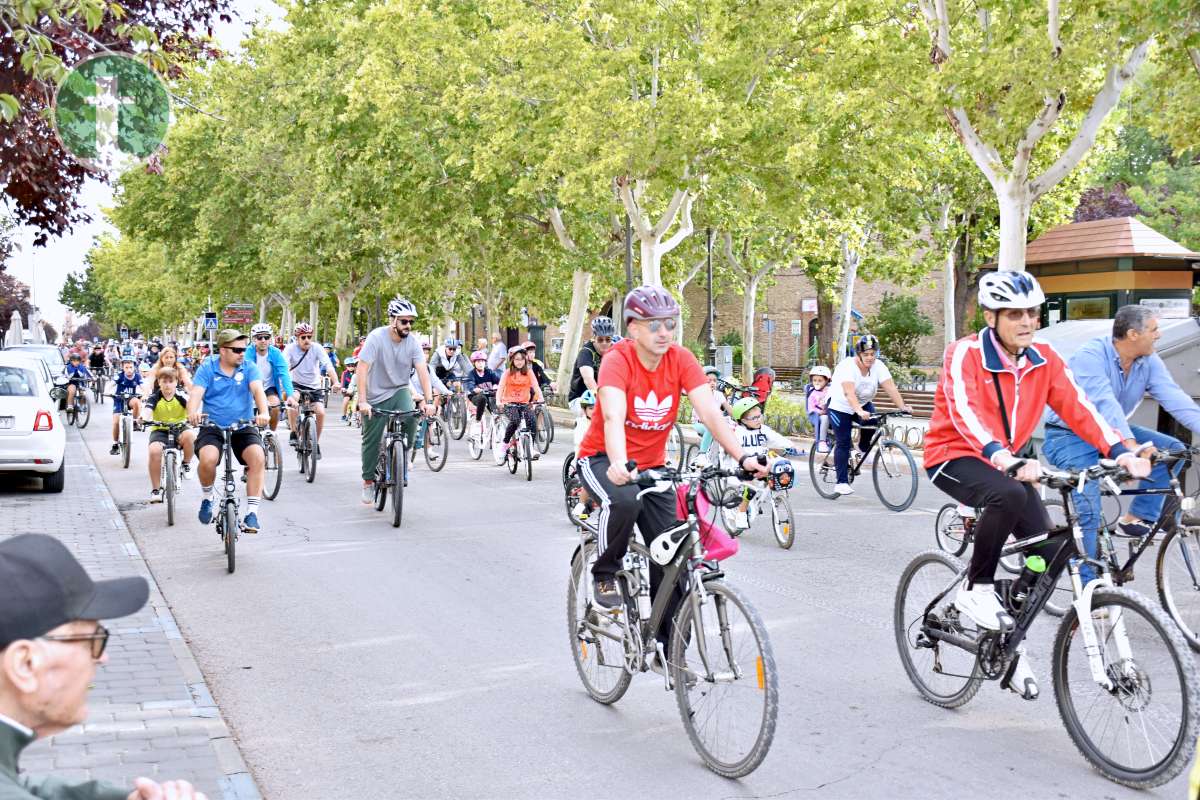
782 303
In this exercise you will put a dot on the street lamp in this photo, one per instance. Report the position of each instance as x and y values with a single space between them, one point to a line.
712 339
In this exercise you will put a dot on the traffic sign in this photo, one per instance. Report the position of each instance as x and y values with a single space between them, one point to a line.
210 322
768 325
238 314
796 327
124 332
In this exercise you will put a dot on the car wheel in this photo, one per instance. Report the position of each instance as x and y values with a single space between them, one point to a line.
53 482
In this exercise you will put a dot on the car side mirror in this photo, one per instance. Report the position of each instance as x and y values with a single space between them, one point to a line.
61 380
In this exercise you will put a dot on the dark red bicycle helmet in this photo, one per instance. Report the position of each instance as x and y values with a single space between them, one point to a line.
650 302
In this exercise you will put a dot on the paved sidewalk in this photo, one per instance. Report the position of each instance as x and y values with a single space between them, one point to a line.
150 712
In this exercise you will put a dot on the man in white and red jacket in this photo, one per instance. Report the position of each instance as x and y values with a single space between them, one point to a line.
994 387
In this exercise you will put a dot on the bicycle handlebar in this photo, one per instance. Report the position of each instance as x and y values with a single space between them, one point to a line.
233 427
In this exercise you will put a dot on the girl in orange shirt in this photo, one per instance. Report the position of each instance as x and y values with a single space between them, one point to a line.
518 388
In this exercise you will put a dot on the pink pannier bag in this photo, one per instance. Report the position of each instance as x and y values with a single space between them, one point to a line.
718 545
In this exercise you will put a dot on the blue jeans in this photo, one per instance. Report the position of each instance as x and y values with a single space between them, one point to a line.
842 425
1065 450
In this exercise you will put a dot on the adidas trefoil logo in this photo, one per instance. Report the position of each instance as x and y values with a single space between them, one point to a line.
650 408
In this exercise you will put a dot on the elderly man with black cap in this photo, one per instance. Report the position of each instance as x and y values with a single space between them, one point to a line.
50 643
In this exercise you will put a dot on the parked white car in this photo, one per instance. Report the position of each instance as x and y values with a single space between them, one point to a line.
33 439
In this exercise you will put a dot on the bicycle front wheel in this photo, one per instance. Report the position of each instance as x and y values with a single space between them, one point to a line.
437 444
596 637
229 513
895 475
273 471
675 445
822 472
728 700
945 675
169 487
457 416
1141 730
1177 576
950 531
84 414
527 455
126 440
783 522
399 467
310 449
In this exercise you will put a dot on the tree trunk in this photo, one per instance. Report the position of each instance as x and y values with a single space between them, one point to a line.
581 287
748 328
345 301
963 285
850 260
680 288
825 327
1015 203
314 312
262 310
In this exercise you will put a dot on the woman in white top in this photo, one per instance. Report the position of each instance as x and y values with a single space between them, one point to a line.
855 381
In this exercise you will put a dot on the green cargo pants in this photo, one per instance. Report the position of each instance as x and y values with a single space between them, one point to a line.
374 426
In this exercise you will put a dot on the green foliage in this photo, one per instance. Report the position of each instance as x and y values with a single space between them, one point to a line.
1170 197
899 324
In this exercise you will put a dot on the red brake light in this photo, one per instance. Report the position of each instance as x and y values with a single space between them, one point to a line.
43 421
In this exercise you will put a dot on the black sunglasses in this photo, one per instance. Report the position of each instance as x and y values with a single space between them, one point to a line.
264 337
99 640
304 338
236 349
405 322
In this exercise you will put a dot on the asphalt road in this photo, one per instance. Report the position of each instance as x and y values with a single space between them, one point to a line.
356 660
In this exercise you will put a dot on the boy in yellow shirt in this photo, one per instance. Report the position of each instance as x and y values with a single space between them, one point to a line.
166 405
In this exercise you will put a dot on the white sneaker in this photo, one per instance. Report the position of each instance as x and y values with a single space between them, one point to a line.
982 606
843 488
1023 682
741 520
368 493
186 471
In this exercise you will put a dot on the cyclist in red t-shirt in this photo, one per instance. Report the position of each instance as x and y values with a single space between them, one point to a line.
639 386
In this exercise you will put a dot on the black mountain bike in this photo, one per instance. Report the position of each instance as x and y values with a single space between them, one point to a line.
308 449
229 525
391 471
893 469
1126 686
79 412
718 659
545 423
125 430
172 461
433 440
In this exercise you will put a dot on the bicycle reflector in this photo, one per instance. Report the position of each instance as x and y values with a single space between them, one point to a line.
782 474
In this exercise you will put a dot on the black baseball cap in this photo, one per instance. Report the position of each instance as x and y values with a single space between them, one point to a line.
42 586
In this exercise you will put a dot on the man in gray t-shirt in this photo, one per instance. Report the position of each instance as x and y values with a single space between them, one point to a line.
386 365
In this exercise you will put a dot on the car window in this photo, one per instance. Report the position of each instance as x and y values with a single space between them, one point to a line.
17 382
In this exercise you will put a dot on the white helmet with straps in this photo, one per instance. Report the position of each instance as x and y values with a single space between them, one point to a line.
1006 289
401 307
262 327
823 371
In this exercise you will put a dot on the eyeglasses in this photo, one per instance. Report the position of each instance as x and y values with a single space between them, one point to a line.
236 349
605 339
99 640
263 338
655 325
451 349
304 338
405 322
1017 313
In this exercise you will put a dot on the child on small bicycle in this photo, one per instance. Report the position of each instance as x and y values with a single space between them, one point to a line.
518 389
79 375
756 438
479 384
168 405
349 388
817 394
127 383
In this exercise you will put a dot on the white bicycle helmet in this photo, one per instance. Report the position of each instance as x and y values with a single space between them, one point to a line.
1004 289
400 307
823 371
262 327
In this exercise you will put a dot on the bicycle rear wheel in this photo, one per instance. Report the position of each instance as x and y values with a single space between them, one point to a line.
229 512
399 464
950 530
1141 732
596 637
98 389
273 470
729 709
945 675
169 487
310 444
894 474
1177 577
126 440
84 414
499 452
822 472
437 444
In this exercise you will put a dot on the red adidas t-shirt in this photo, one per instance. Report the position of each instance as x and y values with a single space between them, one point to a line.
651 400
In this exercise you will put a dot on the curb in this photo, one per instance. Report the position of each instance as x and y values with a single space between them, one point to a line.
236 782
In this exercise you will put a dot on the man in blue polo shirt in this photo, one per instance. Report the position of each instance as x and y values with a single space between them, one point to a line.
228 388
1116 372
